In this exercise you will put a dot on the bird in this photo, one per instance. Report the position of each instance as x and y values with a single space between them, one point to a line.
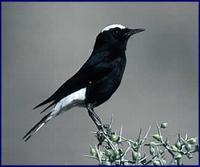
96 81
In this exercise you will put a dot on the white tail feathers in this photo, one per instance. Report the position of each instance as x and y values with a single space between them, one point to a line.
75 99
38 126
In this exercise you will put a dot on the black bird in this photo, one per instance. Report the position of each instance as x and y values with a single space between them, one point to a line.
96 80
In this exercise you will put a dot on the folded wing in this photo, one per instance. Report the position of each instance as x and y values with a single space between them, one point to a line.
94 69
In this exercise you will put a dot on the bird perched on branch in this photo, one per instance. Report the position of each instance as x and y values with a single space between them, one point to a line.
96 80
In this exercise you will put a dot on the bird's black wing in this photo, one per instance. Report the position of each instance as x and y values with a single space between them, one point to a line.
94 69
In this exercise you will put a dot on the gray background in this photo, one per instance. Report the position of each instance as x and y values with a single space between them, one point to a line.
46 43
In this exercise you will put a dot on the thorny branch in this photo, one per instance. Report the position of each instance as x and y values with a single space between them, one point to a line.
114 149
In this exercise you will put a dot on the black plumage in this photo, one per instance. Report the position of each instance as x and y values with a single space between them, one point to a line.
100 75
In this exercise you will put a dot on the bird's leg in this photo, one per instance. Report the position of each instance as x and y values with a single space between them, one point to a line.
94 117
91 114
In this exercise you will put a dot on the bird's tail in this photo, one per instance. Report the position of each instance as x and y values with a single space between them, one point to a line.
39 125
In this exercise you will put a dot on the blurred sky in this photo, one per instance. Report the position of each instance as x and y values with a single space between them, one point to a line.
43 44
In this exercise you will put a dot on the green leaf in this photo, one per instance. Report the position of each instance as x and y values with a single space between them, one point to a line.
192 140
143 161
196 148
174 148
135 146
189 155
164 125
164 162
114 138
152 150
157 137
105 162
178 144
152 143
161 152
135 155
156 162
92 151
188 147
108 152
177 156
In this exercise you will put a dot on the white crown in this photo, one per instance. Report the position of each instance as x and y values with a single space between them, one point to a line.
113 26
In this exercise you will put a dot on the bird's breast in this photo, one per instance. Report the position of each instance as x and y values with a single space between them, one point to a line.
99 91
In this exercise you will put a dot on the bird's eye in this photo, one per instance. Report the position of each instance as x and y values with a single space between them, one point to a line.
116 32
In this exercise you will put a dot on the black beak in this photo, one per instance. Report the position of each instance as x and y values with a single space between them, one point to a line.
131 32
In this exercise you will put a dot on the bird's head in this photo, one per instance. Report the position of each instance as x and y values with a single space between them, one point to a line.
115 36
